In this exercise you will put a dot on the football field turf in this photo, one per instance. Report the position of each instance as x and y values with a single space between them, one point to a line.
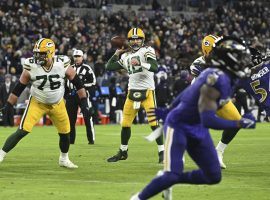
31 171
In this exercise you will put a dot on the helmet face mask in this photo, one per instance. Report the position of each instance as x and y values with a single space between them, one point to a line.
256 57
41 58
44 51
136 38
135 43
232 55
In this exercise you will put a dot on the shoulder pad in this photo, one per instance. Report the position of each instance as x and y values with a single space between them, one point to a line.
64 59
27 63
150 52
212 78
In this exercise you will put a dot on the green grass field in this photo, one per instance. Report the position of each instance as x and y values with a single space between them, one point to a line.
31 171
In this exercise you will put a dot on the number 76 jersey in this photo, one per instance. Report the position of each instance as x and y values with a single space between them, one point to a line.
47 85
258 85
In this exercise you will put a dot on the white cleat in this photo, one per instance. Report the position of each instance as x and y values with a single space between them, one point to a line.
220 159
167 194
67 163
135 197
1 159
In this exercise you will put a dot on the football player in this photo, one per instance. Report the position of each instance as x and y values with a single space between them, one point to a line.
257 85
194 111
140 63
227 111
46 72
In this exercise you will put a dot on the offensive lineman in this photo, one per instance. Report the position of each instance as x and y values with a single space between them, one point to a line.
46 72
140 62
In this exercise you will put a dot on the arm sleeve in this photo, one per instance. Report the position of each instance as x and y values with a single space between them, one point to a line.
114 64
211 120
153 64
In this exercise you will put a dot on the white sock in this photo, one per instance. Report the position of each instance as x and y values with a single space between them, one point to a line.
160 148
2 153
221 146
124 147
63 156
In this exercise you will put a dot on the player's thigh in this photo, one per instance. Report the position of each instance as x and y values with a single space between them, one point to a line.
129 113
229 112
203 152
59 117
175 145
148 103
32 114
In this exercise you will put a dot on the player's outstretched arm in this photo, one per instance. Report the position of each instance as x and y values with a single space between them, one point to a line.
114 62
19 87
76 81
208 106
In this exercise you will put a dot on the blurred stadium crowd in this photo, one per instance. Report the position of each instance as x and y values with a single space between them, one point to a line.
176 38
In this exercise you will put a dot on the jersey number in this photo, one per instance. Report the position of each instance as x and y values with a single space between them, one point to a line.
53 84
259 90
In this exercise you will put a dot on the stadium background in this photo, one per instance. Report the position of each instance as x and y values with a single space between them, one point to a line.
174 28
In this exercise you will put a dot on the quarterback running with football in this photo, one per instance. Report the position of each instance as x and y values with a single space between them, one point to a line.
46 72
140 62
227 111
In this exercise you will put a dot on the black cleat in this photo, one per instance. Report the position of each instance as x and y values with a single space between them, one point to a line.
121 155
160 157
91 142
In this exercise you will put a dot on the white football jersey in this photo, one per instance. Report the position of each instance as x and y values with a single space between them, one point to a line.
197 67
48 85
139 77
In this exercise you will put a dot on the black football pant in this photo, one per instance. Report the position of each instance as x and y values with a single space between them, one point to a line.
72 103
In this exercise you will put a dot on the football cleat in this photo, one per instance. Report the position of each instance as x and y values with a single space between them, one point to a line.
1 159
220 159
135 197
161 157
121 155
167 194
67 163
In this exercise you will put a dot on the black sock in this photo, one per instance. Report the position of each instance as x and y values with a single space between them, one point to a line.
125 135
228 135
159 140
13 139
64 142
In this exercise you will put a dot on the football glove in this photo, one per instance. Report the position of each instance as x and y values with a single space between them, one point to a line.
7 107
248 121
159 113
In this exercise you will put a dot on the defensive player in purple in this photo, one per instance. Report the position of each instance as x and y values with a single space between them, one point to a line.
257 85
193 112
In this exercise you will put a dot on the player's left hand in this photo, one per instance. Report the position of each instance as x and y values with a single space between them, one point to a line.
7 107
158 113
248 121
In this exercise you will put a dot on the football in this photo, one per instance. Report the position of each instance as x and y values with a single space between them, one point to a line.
118 42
